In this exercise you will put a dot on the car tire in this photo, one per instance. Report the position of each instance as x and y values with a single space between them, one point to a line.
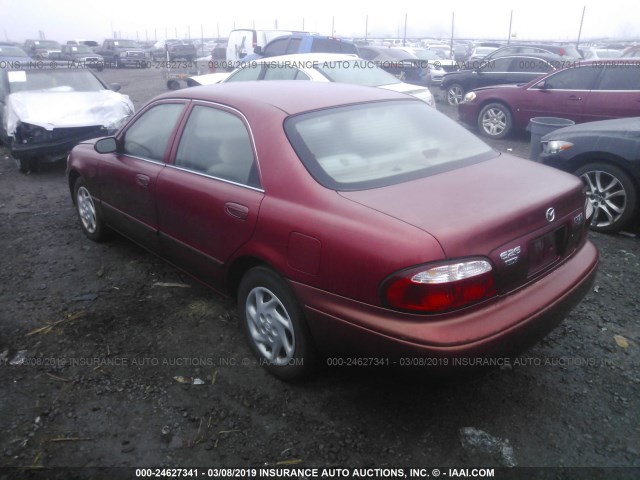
495 120
24 164
274 325
173 84
455 94
90 220
612 193
118 62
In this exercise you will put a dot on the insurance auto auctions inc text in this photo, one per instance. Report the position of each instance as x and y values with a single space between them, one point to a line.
349 473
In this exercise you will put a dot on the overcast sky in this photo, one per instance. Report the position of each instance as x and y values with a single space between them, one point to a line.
63 20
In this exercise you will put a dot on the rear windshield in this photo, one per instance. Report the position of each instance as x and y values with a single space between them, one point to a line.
359 72
377 144
331 45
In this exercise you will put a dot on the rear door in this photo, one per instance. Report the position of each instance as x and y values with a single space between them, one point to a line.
617 93
563 94
209 197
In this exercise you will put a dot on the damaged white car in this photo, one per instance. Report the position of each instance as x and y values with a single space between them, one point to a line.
46 112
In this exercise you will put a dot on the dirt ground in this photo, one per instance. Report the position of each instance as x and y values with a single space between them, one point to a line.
109 357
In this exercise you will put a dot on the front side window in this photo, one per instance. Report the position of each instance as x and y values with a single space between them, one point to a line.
294 45
149 136
381 143
500 64
217 143
276 47
329 45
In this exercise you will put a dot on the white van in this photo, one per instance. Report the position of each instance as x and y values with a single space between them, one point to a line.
242 42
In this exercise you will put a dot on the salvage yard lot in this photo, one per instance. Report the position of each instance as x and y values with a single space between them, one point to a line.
121 360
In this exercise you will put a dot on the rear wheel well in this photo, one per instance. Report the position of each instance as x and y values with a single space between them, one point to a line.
237 270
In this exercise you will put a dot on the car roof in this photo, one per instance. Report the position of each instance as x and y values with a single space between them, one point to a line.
541 56
310 57
289 96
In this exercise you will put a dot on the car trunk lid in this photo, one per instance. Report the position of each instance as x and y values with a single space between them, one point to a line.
522 215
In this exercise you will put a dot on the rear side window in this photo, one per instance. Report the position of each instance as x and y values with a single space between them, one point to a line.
216 143
580 78
620 78
149 135
283 72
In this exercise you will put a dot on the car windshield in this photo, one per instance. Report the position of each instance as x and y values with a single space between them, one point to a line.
423 54
46 44
81 49
126 43
9 51
371 145
397 53
359 72
53 80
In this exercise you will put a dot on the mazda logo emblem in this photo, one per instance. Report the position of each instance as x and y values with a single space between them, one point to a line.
551 214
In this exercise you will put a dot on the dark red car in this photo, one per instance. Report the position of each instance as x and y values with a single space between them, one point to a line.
582 92
343 219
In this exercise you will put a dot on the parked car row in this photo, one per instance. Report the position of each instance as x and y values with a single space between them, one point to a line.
318 67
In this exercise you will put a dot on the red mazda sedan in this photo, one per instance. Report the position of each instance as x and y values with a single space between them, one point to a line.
344 219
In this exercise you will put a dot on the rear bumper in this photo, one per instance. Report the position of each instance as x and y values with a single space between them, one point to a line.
502 327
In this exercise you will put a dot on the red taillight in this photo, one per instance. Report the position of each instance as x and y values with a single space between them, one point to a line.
562 52
440 288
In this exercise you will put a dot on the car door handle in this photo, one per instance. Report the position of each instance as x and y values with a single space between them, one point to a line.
142 180
236 210
574 98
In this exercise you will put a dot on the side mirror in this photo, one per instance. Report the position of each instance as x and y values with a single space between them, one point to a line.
257 50
115 87
541 85
106 145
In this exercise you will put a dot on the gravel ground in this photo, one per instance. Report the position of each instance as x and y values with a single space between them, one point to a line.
109 357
